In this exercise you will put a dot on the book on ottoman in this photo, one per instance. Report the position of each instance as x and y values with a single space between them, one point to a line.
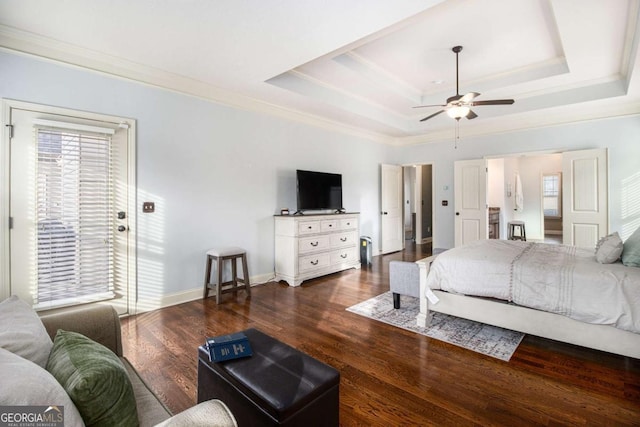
226 347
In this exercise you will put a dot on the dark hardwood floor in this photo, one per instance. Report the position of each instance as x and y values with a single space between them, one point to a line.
389 376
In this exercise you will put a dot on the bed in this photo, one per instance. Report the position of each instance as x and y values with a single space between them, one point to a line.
552 291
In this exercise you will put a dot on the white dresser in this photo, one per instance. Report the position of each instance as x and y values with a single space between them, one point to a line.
309 246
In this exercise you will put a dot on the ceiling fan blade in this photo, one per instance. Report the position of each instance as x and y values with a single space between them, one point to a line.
434 105
493 102
468 97
433 115
471 115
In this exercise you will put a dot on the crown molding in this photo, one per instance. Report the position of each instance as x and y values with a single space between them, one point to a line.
43 48
17 41
527 121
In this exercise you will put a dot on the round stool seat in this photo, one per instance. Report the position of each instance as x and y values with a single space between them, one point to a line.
228 251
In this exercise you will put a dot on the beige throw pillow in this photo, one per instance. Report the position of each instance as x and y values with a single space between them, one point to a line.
22 331
25 383
609 249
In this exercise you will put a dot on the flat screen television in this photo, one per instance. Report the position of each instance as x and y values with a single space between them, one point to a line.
318 190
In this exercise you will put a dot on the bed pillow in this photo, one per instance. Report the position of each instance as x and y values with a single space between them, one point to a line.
631 252
22 331
25 383
94 378
609 249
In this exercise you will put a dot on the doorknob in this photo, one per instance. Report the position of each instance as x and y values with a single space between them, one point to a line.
122 228
384 213
457 213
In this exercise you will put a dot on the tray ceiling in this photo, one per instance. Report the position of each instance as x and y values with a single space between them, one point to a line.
360 66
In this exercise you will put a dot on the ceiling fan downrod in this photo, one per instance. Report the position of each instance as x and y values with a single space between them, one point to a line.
458 106
457 50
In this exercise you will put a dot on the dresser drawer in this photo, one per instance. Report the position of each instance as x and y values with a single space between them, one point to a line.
345 255
344 239
308 227
329 225
348 224
312 262
313 244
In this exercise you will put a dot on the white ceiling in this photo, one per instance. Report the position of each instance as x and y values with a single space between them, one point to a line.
358 65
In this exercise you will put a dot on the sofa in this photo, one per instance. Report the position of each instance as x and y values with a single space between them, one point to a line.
53 361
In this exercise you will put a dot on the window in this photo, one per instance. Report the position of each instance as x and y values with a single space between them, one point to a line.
551 195
73 213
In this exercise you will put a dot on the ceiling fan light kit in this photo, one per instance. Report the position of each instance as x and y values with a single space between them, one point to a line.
458 111
459 106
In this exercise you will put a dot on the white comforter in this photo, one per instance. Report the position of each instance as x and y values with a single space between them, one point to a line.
555 278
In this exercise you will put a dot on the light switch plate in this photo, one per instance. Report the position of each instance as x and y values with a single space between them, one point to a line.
148 207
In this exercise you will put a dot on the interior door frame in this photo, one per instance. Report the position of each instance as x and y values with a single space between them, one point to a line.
565 177
5 189
433 199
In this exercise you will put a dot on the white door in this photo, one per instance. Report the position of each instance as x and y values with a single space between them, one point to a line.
584 197
391 227
470 187
71 209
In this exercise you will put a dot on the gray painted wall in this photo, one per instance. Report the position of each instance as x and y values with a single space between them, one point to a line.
218 174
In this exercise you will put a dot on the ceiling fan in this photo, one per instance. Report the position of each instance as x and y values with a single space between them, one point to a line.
459 106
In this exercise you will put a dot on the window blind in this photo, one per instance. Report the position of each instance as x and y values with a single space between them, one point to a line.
74 213
551 195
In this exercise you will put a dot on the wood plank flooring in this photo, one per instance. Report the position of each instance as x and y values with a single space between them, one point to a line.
390 377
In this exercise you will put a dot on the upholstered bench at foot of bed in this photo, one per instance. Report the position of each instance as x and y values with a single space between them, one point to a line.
277 385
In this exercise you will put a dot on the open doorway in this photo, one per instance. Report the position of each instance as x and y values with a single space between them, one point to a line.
526 188
418 203
552 206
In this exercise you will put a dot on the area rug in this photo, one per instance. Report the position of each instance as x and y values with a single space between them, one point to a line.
486 339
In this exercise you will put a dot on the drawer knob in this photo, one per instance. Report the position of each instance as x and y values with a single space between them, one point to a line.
314 262
343 256
314 244
309 227
330 225
343 239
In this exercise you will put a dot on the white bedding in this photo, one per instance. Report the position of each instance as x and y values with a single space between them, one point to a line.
555 278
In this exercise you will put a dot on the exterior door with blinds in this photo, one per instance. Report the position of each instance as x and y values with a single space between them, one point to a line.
70 209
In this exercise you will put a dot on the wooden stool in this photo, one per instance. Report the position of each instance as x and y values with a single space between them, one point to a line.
233 285
522 233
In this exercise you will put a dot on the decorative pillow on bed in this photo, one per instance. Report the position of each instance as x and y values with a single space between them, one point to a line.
631 252
609 249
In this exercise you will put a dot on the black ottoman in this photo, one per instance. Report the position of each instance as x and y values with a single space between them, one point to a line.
278 385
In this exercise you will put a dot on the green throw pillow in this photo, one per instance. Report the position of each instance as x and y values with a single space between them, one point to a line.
94 378
631 251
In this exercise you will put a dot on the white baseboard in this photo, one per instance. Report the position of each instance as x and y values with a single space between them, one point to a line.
167 300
